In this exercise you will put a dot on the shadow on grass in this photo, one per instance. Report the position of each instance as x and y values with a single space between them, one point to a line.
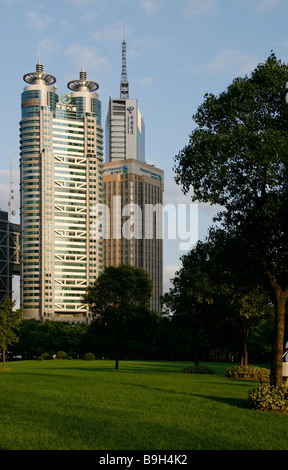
237 402
110 367
54 373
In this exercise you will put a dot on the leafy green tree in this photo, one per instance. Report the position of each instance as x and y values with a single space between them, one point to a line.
29 336
245 301
37 337
249 310
9 324
118 296
184 304
237 157
210 289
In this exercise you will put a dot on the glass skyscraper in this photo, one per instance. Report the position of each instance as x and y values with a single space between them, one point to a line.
61 165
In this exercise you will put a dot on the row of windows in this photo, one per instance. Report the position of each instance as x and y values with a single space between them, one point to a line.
62 131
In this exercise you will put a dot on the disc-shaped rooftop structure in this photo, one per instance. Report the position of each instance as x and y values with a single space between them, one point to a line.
83 84
39 75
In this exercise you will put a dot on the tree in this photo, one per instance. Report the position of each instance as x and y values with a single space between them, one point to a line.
9 324
210 284
118 296
183 303
250 309
237 157
37 337
242 297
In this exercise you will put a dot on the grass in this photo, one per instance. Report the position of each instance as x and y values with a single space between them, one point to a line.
81 405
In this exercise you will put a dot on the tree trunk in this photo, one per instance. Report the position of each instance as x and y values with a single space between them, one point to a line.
117 349
280 298
4 359
278 339
196 343
4 354
244 332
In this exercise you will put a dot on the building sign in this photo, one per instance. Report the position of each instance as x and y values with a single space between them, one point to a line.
113 170
130 120
133 168
155 176
65 98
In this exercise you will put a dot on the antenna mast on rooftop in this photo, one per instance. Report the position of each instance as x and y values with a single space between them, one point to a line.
124 85
11 200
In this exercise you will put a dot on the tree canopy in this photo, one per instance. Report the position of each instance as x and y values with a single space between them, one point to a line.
237 157
117 297
9 324
210 284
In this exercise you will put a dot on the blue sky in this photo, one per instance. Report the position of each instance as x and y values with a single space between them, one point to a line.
177 50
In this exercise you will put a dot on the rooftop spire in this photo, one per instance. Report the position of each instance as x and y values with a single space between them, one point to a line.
39 76
11 200
124 85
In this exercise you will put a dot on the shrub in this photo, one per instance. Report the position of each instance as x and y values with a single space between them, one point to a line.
72 354
248 372
45 356
269 398
89 357
61 355
197 370
40 358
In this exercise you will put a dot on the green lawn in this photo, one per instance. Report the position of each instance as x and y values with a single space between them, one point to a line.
78 405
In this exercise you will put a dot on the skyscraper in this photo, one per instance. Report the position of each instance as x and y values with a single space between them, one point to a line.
61 165
133 191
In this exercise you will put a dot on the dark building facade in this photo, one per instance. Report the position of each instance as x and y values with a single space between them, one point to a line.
9 255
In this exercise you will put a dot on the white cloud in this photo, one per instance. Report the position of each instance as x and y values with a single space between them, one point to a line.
145 81
147 45
228 61
37 21
91 56
80 3
174 195
168 274
199 7
267 5
112 33
151 7
48 47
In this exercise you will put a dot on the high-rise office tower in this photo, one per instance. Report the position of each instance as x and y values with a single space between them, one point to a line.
133 191
61 164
